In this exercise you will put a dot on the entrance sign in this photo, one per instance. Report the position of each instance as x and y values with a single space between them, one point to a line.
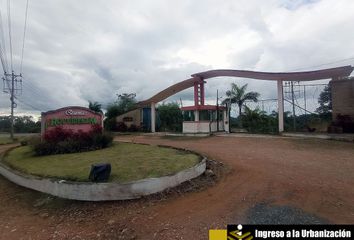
73 118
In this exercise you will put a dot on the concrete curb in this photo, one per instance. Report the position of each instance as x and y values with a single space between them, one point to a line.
87 191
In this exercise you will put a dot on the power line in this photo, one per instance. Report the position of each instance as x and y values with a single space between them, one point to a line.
9 24
3 45
32 88
15 88
324 64
28 104
24 36
299 106
2 57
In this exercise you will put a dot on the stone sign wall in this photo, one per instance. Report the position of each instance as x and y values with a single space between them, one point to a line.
74 118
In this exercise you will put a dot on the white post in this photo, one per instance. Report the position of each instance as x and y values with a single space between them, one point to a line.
196 115
226 121
153 117
280 106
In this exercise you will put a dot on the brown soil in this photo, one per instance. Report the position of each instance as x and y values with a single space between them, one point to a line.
315 176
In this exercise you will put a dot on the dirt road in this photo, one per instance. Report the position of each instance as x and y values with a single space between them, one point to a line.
313 178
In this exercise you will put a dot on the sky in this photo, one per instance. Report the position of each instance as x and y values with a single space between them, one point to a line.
91 50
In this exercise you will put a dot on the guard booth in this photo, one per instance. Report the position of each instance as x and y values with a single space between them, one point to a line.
202 118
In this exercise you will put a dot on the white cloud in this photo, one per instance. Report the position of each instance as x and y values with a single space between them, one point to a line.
90 50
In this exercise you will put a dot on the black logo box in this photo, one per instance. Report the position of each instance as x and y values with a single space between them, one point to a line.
294 231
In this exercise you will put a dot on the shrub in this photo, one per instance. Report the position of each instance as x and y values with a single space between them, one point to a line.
102 140
57 134
59 141
121 127
110 124
44 148
133 128
342 124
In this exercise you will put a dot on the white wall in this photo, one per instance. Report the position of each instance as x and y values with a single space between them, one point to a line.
201 126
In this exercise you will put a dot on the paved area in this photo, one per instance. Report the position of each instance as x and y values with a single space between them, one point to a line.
270 179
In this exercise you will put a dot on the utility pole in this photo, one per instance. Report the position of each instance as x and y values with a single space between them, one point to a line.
305 99
13 91
217 110
293 103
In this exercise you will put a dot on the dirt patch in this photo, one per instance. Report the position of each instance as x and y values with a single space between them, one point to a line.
215 171
292 176
263 213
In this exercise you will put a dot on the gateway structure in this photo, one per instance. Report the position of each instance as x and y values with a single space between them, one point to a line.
201 118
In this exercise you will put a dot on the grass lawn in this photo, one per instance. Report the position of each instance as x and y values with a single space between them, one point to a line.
129 162
5 140
5 137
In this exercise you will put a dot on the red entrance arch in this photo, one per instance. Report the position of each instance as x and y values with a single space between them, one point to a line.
197 81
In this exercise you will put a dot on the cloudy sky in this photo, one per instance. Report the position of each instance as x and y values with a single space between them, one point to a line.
82 50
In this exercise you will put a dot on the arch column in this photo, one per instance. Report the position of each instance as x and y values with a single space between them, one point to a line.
280 106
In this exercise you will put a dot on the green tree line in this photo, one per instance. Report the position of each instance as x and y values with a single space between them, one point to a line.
22 124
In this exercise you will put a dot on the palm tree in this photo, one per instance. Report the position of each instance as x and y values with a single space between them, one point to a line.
95 106
238 95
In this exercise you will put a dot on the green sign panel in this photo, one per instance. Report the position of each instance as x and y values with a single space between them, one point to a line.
69 121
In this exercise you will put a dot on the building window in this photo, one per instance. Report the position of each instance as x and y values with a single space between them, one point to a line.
188 116
221 115
204 115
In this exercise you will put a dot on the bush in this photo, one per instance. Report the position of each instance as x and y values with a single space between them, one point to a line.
121 127
44 148
133 128
103 140
110 124
342 124
59 141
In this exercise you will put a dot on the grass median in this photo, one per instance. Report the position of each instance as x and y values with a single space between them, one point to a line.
129 162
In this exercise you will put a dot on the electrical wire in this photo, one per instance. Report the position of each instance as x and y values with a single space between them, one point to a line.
32 87
9 25
24 36
2 58
324 64
28 104
3 46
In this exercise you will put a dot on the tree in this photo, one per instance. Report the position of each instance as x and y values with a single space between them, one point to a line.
95 106
255 114
171 117
124 103
325 101
238 95
22 124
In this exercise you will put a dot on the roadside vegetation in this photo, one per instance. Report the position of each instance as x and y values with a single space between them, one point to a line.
60 141
258 121
170 117
125 102
22 124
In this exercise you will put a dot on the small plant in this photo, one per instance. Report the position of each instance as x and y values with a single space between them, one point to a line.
59 141
133 128
121 127
342 124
